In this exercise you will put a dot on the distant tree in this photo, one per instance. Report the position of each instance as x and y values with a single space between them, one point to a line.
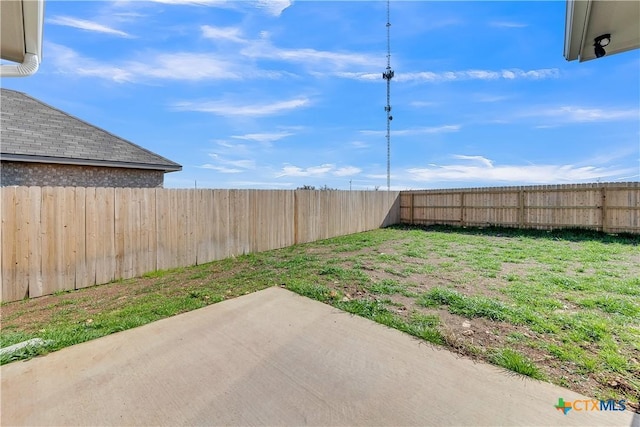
311 187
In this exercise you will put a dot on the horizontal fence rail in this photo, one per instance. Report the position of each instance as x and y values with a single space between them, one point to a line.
608 207
63 238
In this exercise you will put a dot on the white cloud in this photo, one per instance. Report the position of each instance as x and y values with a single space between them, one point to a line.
263 49
347 171
318 171
359 144
414 131
359 76
82 24
68 61
507 24
184 66
222 33
422 104
226 108
221 169
507 74
224 165
490 98
263 137
485 171
273 7
479 159
451 76
219 3
239 163
232 148
291 170
585 114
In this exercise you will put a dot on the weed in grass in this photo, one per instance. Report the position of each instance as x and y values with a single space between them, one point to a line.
332 270
611 357
475 306
566 352
424 320
425 326
610 304
427 269
532 295
516 337
198 275
155 274
582 327
386 287
374 310
398 273
318 292
587 365
389 257
514 361
485 264
629 287
566 283
416 253
419 325
448 266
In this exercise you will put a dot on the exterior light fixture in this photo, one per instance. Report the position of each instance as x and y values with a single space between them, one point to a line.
599 43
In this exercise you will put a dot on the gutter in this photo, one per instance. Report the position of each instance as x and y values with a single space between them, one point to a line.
32 24
28 67
576 23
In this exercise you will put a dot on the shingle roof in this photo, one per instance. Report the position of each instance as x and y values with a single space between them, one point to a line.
33 131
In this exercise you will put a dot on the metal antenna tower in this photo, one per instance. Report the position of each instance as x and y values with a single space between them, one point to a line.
388 75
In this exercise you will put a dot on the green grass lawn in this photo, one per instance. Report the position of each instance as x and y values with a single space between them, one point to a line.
558 306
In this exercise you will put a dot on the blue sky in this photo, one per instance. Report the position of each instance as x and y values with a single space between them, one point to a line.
280 94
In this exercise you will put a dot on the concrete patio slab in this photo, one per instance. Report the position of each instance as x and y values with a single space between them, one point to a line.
275 358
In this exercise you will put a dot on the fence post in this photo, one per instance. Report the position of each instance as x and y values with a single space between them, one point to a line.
295 217
462 224
603 207
411 201
521 209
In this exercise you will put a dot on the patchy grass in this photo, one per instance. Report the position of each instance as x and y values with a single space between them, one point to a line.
514 361
561 306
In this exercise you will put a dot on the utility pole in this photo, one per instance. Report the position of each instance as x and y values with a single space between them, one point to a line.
388 75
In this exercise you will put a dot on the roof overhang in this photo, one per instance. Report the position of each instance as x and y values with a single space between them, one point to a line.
21 23
6 157
588 19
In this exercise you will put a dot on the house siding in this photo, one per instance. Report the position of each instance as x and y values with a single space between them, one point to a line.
57 175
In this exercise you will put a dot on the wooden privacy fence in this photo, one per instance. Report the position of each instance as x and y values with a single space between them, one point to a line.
54 239
609 207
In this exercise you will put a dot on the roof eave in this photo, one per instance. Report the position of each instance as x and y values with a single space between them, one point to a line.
87 162
575 27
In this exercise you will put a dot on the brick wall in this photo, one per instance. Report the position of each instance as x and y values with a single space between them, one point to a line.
40 174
